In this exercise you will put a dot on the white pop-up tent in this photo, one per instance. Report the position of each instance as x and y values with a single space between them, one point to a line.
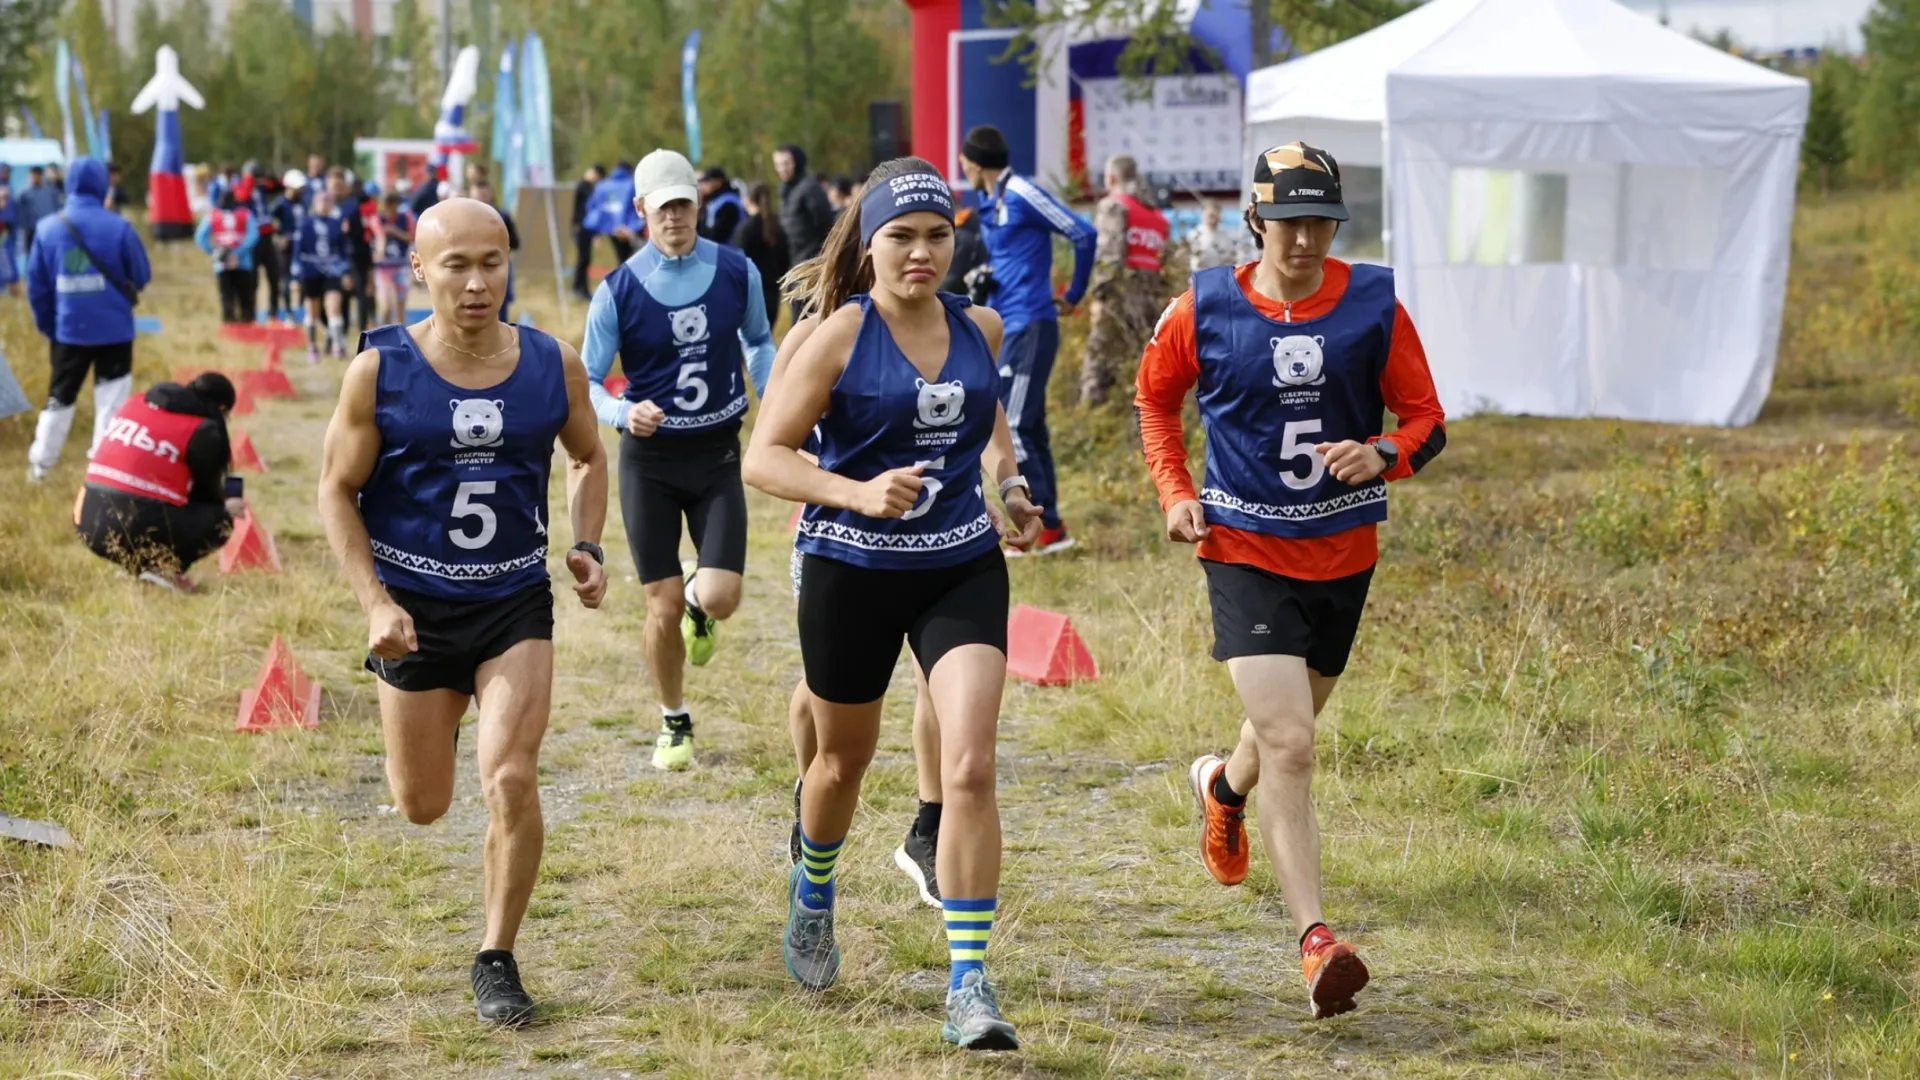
1587 214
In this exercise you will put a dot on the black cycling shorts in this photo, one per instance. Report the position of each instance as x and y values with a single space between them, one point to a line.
853 619
457 636
695 476
1260 613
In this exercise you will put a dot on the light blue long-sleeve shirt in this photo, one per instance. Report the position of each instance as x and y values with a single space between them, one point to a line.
250 235
675 281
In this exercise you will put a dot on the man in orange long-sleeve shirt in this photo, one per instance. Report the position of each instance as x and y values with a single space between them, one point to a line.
1295 357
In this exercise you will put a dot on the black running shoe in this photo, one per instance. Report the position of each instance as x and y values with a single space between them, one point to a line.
498 997
914 857
793 844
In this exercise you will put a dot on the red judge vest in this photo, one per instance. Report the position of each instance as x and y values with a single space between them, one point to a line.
1146 233
144 453
229 228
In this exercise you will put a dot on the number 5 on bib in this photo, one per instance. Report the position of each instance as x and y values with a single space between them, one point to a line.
465 507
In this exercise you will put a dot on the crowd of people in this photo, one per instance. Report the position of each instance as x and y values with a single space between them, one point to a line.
880 411
904 410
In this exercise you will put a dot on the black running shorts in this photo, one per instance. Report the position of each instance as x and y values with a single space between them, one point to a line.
456 636
852 620
315 286
1259 613
665 477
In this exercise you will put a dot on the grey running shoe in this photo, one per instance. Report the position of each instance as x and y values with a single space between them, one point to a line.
813 957
973 1017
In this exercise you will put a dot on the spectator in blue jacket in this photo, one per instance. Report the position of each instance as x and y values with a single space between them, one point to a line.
1018 220
84 275
611 214
9 244
35 201
229 233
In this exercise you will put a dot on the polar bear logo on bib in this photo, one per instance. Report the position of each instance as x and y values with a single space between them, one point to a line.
940 403
689 324
1297 360
477 422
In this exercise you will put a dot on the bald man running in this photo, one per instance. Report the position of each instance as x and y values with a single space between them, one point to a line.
434 492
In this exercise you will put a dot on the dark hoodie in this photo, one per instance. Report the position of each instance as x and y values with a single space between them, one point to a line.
805 212
74 301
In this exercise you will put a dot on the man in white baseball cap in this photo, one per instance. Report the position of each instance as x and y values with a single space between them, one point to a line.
672 313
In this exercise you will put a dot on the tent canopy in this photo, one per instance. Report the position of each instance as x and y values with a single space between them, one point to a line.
1587 213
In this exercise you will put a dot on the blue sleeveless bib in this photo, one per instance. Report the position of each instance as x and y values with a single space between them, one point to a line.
884 415
685 359
457 504
1270 391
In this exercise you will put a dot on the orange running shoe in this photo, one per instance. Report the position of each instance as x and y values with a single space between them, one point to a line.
1334 974
1223 829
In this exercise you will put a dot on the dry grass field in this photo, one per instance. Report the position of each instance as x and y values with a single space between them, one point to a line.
1621 783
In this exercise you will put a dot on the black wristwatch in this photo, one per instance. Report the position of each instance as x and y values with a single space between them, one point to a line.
1388 452
592 549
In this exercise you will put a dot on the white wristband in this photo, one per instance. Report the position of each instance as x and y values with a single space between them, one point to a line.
1012 482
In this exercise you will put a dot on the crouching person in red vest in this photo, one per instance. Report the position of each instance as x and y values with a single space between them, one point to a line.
156 499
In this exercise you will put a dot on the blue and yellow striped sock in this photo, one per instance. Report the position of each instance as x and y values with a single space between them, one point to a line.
968 924
816 871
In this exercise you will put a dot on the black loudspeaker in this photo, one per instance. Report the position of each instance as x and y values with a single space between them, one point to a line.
886 130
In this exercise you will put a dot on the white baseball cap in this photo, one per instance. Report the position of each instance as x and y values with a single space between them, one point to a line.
294 180
663 176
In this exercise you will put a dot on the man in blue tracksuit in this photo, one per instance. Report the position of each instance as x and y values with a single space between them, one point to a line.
1018 221
678 313
87 268
611 213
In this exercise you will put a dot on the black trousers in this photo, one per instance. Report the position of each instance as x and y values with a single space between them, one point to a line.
237 289
582 258
362 297
268 260
622 250
139 533
72 362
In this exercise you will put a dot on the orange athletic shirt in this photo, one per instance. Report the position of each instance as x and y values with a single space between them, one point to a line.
1171 365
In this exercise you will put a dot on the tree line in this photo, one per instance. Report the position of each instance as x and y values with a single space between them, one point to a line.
770 72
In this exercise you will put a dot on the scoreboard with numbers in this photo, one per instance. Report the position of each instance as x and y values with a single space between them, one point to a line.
1184 130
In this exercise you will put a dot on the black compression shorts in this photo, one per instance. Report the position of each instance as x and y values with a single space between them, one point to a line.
696 477
853 619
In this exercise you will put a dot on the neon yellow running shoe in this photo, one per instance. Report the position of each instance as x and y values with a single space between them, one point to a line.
673 749
697 629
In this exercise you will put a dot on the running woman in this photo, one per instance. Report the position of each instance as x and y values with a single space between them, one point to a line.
897 545
433 489
1296 355
322 250
391 272
917 854
673 312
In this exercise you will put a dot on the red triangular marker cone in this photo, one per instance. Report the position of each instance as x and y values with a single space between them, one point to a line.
243 455
1043 647
250 547
242 400
281 694
266 383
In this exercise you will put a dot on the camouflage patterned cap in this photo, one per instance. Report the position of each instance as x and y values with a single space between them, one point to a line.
1296 181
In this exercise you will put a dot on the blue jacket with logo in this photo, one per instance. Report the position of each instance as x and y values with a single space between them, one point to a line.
75 302
1017 220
